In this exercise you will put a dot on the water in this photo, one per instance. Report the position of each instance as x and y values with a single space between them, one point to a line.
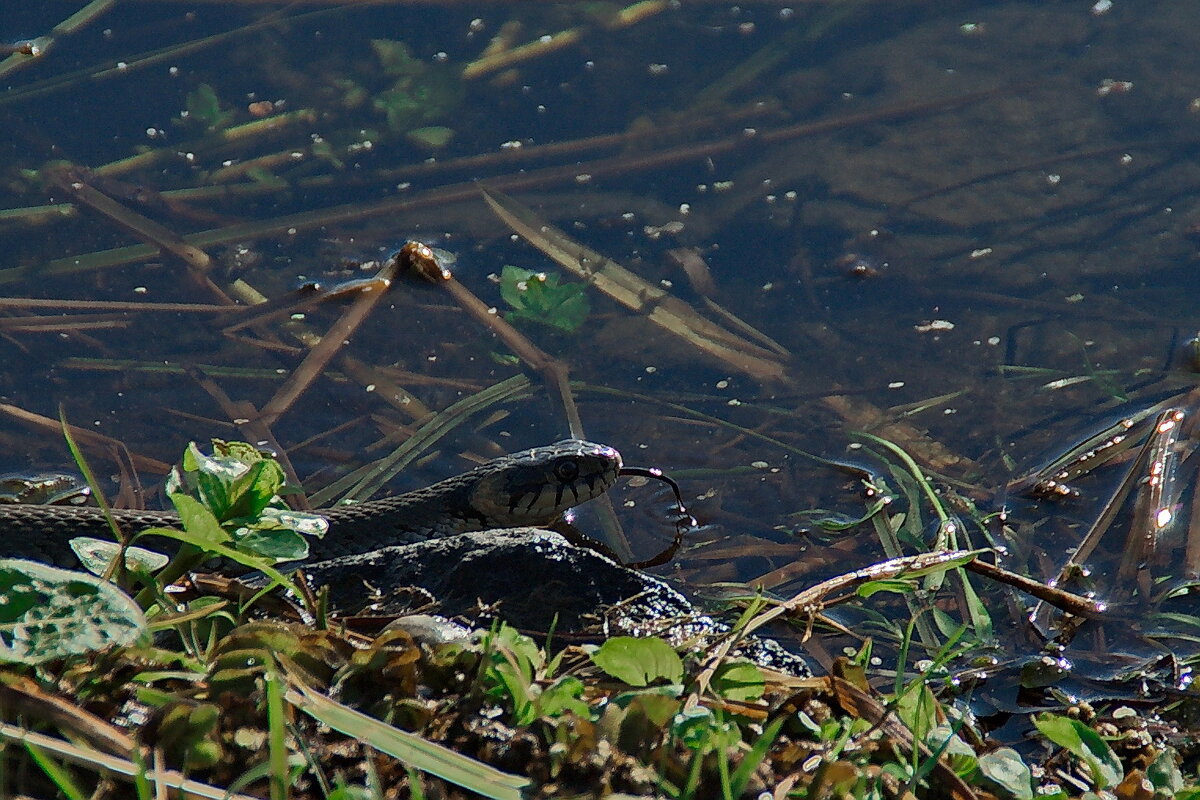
943 215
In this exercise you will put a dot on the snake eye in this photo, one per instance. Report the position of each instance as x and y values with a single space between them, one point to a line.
566 470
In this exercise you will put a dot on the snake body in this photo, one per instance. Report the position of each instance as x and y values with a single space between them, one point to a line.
530 488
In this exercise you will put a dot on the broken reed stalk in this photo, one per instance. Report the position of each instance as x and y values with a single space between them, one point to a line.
498 55
132 63
58 323
237 133
649 300
115 306
132 222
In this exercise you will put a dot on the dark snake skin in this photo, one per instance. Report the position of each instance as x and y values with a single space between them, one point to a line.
533 487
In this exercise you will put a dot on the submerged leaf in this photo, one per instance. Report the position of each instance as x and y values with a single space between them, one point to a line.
395 58
433 137
539 297
204 107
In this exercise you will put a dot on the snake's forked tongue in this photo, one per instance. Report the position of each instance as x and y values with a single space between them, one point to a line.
682 523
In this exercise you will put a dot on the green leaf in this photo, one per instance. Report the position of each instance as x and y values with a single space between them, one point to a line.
204 529
562 696
1164 774
252 492
204 107
232 497
1005 768
894 585
700 730
97 554
739 680
1085 744
959 755
395 58
917 708
278 544
539 297
433 137
251 560
50 613
639 662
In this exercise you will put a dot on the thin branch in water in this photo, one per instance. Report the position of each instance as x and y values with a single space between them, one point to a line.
61 324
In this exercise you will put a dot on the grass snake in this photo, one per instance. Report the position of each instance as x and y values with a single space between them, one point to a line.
533 487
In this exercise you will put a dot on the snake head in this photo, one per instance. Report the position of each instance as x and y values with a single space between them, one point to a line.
534 487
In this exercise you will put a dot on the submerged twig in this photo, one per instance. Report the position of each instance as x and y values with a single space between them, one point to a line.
495 59
112 305
129 220
333 341
1059 598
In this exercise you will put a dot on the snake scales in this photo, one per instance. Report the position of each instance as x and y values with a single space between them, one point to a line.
532 487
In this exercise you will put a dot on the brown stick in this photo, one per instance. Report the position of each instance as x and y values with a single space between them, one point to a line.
129 220
333 341
111 305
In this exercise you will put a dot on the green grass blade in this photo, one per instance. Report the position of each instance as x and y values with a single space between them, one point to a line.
411 749
277 736
56 773
758 751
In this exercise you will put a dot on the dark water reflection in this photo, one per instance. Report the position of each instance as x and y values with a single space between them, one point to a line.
994 245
